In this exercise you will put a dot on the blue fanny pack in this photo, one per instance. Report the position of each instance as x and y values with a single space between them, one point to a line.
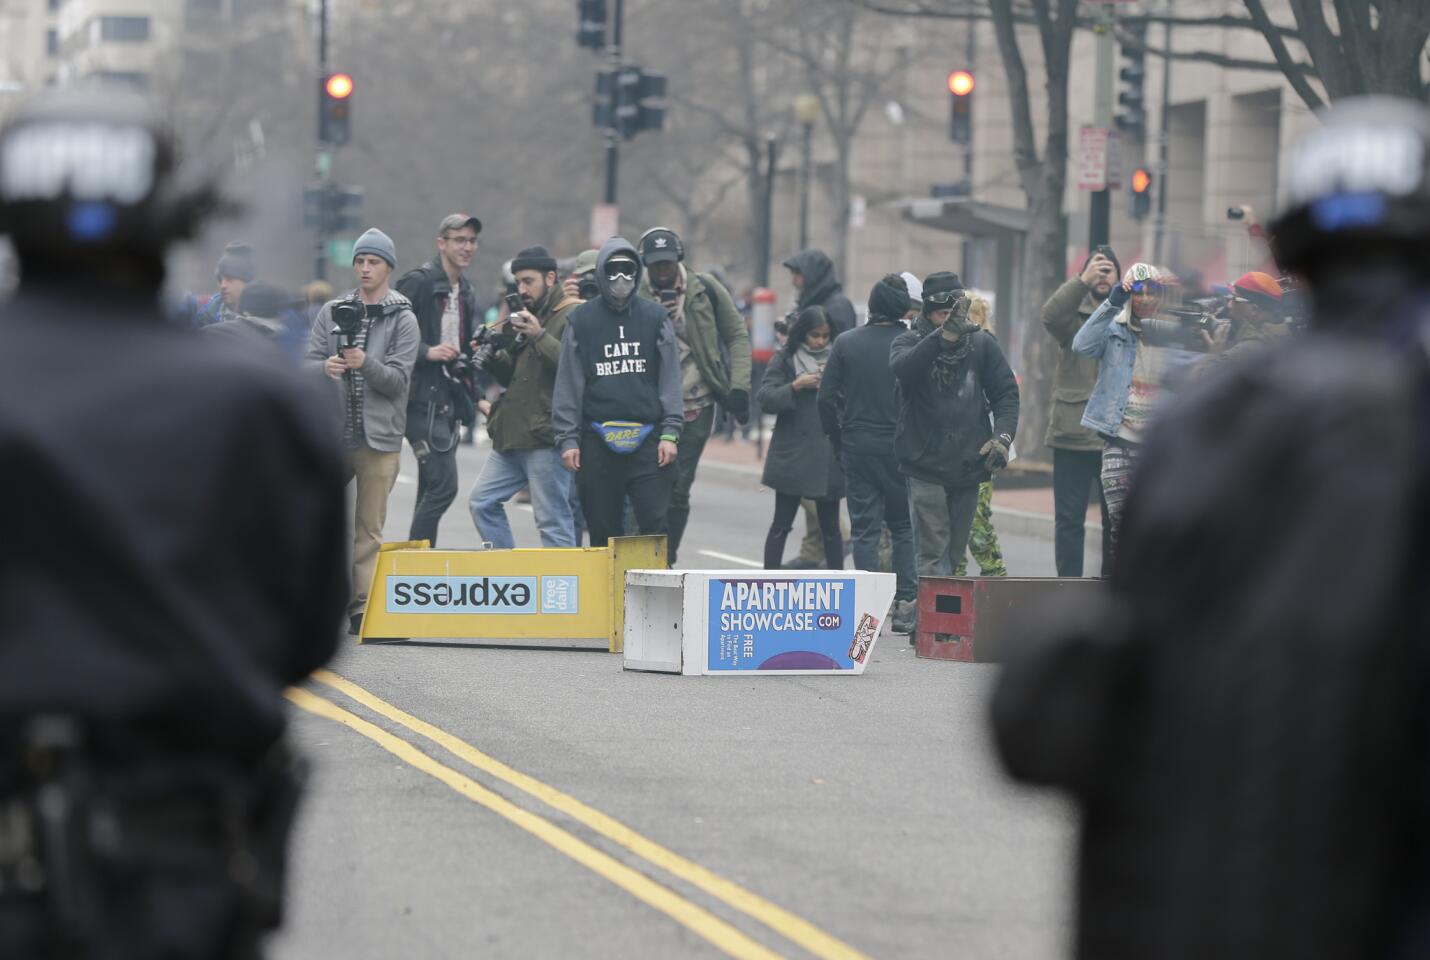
623 436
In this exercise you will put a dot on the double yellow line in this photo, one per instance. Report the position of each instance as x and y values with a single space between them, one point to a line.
703 923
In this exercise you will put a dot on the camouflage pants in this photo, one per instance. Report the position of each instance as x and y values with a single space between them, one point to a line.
983 542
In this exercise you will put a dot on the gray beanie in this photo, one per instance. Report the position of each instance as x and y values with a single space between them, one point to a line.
378 244
236 262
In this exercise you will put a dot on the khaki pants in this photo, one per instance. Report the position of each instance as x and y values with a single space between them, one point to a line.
811 548
376 474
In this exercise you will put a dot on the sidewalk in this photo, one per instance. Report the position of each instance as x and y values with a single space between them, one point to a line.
1026 512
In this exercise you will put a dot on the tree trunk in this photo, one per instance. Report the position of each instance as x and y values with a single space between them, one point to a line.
1043 267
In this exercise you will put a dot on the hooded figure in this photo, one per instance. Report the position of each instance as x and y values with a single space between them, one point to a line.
820 288
617 407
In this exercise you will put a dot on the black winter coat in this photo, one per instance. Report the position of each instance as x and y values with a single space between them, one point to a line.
175 540
941 430
1242 718
428 288
801 458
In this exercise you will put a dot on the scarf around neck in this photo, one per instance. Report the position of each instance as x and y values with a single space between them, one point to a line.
811 361
949 359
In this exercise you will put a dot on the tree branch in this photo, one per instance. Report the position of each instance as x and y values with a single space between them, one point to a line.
1025 149
1289 67
1127 39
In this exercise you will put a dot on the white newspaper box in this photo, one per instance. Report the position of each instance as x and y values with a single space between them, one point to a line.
729 623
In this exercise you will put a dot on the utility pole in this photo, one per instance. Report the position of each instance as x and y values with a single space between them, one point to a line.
1164 142
613 137
324 161
1100 215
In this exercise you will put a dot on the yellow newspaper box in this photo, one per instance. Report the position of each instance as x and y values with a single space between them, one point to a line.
537 594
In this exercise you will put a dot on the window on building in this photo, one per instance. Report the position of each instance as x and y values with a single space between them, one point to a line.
52 43
124 29
202 9
123 78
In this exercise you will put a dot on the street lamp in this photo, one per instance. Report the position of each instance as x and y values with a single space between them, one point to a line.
806 111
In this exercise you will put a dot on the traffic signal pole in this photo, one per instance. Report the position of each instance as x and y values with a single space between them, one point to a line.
613 137
320 259
1099 221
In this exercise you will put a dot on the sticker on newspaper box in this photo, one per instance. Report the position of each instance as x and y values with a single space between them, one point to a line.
793 624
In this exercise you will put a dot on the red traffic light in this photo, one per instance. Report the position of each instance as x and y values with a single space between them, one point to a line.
1141 180
960 83
339 86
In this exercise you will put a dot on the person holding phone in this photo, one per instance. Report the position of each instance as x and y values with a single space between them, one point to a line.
523 454
1077 450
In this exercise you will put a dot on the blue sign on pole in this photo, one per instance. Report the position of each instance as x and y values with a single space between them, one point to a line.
786 624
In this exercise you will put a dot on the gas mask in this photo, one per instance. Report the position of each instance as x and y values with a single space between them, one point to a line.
621 280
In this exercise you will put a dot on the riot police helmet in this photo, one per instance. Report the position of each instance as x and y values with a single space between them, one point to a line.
90 172
1357 184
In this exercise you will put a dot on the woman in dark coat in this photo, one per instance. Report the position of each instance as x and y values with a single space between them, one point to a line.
801 461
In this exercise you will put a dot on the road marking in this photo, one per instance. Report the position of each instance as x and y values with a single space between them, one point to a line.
722 935
786 924
730 558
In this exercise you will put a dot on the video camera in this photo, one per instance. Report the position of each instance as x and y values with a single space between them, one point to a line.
348 316
1187 324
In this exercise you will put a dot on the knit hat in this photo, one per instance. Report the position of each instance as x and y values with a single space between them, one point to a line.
262 300
378 244
585 263
1260 288
942 282
534 258
236 262
889 300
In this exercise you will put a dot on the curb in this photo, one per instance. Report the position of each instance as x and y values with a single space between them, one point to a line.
1019 523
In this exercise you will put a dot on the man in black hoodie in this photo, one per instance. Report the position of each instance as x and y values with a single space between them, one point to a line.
813 275
859 410
617 409
950 375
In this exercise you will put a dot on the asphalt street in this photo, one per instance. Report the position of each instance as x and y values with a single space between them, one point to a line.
498 802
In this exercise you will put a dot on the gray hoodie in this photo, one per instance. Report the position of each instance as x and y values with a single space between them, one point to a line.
392 344
569 397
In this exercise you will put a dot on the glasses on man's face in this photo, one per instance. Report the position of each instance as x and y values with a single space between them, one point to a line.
621 272
948 296
462 241
1148 287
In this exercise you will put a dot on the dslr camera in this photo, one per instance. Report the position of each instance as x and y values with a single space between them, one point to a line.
348 316
1187 324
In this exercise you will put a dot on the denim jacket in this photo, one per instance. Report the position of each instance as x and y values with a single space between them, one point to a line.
1115 347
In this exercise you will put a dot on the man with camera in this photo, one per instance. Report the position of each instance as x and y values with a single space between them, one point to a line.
1077 450
714 350
440 399
523 455
950 374
1254 320
368 343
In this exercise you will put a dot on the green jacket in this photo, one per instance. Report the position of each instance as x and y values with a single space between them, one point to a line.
1063 316
521 417
711 321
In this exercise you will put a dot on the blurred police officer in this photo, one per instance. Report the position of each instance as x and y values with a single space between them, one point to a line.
175 561
1243 717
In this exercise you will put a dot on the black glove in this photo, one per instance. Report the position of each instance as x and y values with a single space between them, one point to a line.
1119 295
995 452
737 402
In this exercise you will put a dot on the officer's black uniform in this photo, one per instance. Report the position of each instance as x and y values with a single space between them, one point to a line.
173 559
1242 719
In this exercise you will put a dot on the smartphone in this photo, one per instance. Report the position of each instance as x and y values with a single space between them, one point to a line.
514 303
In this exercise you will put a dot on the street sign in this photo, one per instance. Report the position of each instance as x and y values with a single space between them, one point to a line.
605 223
1099 159
341 252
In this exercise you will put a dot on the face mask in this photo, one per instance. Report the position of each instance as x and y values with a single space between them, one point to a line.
621 288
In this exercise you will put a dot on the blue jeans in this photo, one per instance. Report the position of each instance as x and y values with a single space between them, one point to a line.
506 474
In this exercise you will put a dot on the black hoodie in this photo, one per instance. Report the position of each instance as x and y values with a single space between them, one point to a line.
617 362
821 289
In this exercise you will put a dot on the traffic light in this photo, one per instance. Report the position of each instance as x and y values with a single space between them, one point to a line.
960 117
335 93
621 105
330 208
1141 200
1132 119
591 31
